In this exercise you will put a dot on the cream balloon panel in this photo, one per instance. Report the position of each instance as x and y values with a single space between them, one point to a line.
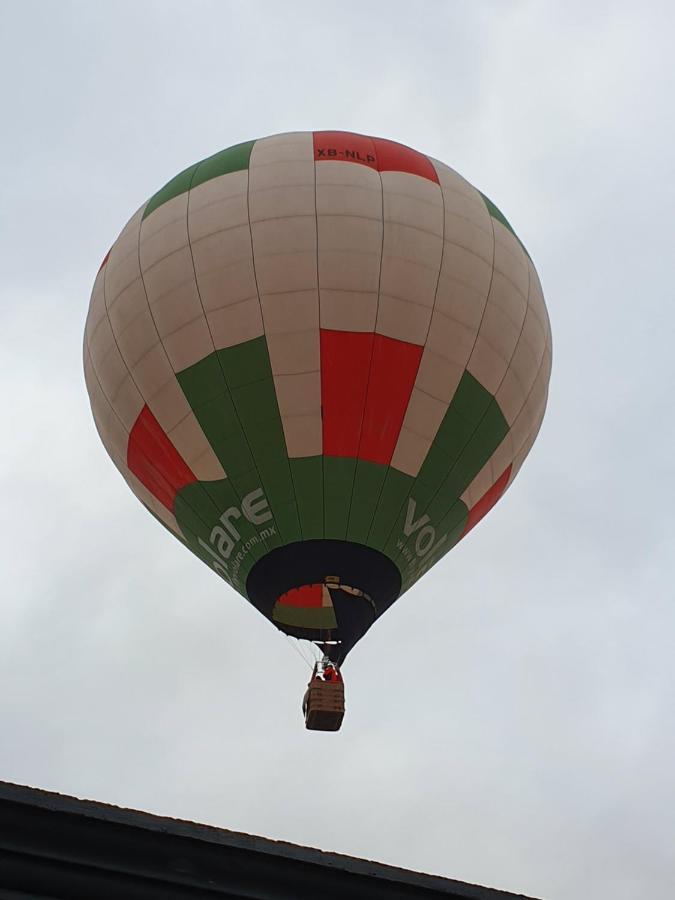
520 438
282 210
129 354
479 314
527 356
220 238
349 220
522 394
170 285
502 340
95 315
504 312
114 437
112 373
157 320
411 255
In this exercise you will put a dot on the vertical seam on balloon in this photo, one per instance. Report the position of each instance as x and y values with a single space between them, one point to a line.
482 419
220 366
107 400
161 343
426 338
114 336
508 368
318 294
123 467
250 234
440 265
262 319
511 477
489 290
473 346
445 550
536 428
372 351
539 367
531 389
531 437
529 394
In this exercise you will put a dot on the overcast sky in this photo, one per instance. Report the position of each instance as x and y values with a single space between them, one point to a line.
511 720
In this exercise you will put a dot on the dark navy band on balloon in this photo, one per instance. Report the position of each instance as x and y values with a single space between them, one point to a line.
311 562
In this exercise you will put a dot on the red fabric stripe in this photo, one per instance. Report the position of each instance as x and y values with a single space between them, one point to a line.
155 461
392 375
309 595
378 153
345 363
393 157
487 501
105 260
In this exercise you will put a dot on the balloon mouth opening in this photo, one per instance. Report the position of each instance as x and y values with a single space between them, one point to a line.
325 591
312 607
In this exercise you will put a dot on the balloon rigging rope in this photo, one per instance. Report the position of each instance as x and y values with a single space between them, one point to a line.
295 644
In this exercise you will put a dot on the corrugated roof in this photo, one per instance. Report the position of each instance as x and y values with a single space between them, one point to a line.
56 846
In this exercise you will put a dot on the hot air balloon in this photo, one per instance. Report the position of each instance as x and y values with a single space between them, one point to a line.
319 359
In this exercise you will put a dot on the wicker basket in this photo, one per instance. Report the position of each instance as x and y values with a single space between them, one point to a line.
325 705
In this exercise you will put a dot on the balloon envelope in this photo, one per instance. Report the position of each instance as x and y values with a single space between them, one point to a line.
319 359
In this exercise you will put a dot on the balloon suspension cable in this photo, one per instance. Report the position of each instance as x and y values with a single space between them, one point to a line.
295 643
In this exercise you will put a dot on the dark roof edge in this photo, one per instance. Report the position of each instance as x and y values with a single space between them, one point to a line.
209 834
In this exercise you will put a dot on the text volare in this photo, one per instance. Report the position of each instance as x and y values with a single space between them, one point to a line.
225 536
